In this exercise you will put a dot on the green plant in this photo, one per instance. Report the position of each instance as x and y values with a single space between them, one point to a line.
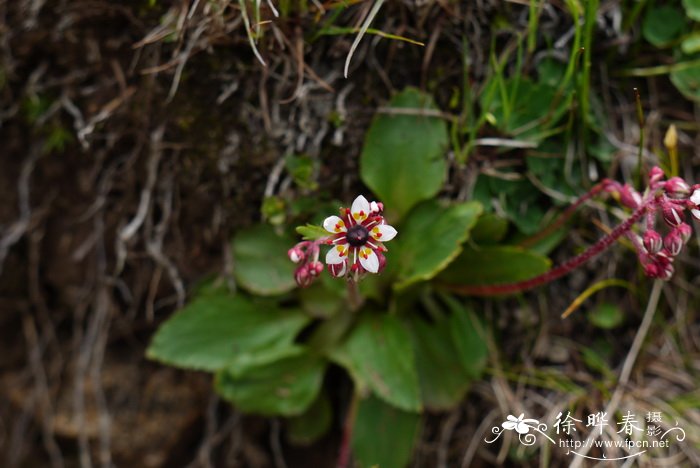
407 345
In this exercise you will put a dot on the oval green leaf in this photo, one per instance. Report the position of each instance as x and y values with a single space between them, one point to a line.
219 329
378 354
402 159
261 263
286 387
494 265
431 238
383 436
662 25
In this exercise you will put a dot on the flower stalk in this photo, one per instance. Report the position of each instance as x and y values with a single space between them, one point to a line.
561 270
667 200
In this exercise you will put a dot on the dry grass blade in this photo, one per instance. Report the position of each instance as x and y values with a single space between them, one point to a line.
249 32
368 20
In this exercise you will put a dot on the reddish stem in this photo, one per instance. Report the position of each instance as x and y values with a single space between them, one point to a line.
564 217
564 268
348 427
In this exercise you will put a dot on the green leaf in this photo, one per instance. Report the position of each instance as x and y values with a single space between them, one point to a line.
523 108
219 329
261 263
301 168
494 265
606 316
312 232
662 25
692 9
273 210
310 426
320 301
379 356
431 238
383 436
469 337
443 381
489 229
691 44
687 81
403 159
285 387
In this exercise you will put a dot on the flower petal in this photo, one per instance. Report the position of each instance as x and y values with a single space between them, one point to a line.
696 213
695 197
360 209
337 254
383 232
369 260
334 224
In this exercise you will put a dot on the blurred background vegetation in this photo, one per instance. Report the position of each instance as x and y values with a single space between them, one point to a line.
139 138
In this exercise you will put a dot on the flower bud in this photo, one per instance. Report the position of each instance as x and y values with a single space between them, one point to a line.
685 231
339 269
673 242
315 268
302 276
651 270
676 188
652 241
666 271
382 261
655 175
376 207
296 254
630 197
673 215
671 138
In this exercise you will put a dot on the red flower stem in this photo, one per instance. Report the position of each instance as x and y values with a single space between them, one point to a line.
564 268
564 217
348 427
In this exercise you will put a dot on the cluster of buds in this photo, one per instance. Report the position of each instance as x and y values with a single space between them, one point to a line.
670 198
356 238
305 254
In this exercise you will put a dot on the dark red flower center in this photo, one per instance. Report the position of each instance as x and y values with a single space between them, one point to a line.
357 235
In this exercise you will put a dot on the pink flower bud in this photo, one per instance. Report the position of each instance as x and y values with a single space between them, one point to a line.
655 175
660 267
651 270
676 188
673 242
611 186
303 277
652 242
673 215
376 207
382 261
685 231
339 269
315 268
630 197
666 271
296 254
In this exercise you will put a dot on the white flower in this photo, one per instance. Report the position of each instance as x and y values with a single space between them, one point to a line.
357 238
695 200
